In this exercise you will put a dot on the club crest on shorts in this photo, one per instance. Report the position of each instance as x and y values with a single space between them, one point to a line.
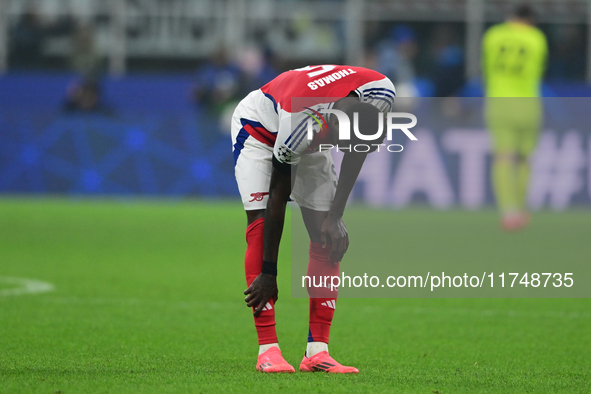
258 196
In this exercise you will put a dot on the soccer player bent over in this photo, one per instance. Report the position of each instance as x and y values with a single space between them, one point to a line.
274 159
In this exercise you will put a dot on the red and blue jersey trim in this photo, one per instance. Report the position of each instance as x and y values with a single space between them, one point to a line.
267 95
258 131
239 145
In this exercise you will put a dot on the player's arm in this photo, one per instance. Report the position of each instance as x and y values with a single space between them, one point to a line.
484 58
545 56
333 227
264 287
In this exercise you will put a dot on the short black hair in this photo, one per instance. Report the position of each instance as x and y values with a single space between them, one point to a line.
524 11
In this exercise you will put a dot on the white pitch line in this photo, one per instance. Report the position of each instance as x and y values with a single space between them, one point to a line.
24 286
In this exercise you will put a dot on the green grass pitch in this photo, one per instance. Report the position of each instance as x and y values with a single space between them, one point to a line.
148 298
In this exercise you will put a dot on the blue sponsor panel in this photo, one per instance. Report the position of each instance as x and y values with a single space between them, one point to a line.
150 154
149 138
145 138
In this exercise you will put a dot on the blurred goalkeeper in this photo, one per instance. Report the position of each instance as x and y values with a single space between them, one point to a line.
514 58
275 160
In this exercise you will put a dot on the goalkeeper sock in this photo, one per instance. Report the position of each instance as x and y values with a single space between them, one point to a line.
505 184
523 172
323 298
253 263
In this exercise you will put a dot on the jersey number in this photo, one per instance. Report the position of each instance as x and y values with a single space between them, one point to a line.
511 59
319 70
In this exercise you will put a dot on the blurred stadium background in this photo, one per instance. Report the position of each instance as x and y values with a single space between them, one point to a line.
133 97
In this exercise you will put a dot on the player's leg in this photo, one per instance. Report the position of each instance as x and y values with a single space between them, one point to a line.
504 173
523 175
522 218
528 139
253 263
322 300
253 173
500 122
314 191
270 359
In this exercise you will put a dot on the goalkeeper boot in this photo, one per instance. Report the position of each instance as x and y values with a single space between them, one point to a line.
515 221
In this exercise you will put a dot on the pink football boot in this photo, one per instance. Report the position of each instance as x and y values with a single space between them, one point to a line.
272 361
322 362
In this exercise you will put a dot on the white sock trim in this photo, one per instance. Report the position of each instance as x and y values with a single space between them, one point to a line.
267 346
315 348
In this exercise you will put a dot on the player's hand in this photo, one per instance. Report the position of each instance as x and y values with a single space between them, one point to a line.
260 291
335 230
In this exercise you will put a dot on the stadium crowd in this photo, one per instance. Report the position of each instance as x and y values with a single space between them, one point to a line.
422 58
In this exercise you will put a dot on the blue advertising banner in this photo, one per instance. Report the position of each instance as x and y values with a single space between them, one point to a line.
148 137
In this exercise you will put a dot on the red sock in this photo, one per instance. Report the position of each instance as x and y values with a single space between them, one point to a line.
253 263
322 299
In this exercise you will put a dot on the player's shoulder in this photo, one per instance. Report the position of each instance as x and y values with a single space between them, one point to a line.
501 30
329 71
533 36
319 82
495 30
490 36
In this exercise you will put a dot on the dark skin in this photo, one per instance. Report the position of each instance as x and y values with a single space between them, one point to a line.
323 227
